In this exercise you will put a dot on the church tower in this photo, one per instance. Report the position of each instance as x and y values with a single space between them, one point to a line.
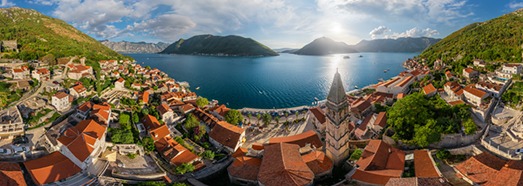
337 126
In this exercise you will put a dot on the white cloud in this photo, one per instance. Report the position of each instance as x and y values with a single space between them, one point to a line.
6 3
442 11
166 27
44 2
414 32
95 16
515 5
376 32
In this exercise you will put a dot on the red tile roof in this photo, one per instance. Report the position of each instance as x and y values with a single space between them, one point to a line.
468 70
318 114
379 162
150 122
429 89
144 97
86 106
81 139
424 165
283 165
174 152
381 119
226 134
163 108
510 174
458 102
405 81
79 88
474 91
481 168
318 162
221 110
121 80
308 137
51 168
245 168
159 132
61 95
240 152
11 174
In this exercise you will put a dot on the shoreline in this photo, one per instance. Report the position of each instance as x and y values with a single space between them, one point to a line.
319 103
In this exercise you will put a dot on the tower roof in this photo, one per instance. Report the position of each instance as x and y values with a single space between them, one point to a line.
337 91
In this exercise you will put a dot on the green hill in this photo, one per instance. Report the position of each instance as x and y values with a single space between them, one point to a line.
499 39
325 46
219 45
38 35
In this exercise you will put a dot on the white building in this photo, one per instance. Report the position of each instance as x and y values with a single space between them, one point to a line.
119 84
474 95
41 74
167 114
11 123
61 101
78 91
20 73
83 143
396 86
227 136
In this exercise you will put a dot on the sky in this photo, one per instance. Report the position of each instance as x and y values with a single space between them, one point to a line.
275 23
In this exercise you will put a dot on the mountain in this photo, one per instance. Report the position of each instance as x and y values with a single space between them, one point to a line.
284 50
38 35
135 47
325 46
498 39
219 45
406 44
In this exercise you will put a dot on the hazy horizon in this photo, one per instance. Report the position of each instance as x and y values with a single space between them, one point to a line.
275 23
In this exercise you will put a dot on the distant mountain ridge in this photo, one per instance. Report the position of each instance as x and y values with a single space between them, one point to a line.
326 46
38 35
135 47
219 46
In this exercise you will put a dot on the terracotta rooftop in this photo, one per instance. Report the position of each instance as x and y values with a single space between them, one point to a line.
245 168
511 65
221 110
362 128
458 102
79 88
379 162
429 89
60 95
468 70
481 168
488 85
86 106
159 132
390 82
318 162
226 134
474 91
240 152
405 81
381 119
417 182
51 168
283 165
174 152
121 80
308 137
510 174
150 122
11 174
81 139
424 165
163 108
318 114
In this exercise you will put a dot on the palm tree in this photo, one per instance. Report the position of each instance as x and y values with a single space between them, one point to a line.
249 115
277 119
258 116
286 116
297 114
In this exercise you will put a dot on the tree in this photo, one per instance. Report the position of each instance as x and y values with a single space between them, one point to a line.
122 136
207 154
249 115
277 119
266 119
258 116
442 154
49 58
286 116
184 168
198 132
470 126
234 117
148 144
136 118
201 102
356 155
191 122
425 135
124 119
86 82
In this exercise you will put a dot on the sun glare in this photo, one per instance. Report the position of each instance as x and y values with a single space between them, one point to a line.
336 28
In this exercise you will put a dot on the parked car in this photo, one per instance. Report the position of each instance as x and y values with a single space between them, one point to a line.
19 149
20 140
5 151
519 151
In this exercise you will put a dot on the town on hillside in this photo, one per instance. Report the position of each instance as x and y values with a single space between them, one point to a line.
115 122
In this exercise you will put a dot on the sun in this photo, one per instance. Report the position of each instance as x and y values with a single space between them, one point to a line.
336 28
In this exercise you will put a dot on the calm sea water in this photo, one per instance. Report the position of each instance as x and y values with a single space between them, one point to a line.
281 81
